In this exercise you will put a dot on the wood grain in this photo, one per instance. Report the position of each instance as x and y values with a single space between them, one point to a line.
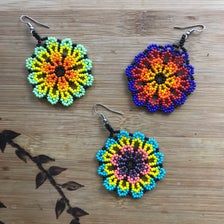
114 32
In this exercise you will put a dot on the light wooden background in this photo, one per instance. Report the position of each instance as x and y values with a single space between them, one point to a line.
114 32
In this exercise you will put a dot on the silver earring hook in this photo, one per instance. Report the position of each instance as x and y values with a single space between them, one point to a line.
23 19
101 115
195 28
104 118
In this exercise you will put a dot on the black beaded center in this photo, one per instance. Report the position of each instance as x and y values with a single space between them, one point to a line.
131 164
160 78
59 71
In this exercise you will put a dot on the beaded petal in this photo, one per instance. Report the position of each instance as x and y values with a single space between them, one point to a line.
130 164
59 70
161 78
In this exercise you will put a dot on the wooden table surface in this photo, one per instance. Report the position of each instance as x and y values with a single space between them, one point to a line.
114 32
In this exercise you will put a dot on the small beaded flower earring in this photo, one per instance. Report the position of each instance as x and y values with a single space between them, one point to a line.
59 70
130 164
161 77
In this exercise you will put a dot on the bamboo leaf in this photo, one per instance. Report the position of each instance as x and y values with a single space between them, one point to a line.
72 186
56 170
2 142
40 179
75 221
77 212
9 135
2 205
59 207
21 155
43 159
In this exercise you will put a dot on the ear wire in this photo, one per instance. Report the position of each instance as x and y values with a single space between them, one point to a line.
104 118
192 29
27 20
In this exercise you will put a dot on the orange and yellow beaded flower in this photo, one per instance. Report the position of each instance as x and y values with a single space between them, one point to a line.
60 71
161 78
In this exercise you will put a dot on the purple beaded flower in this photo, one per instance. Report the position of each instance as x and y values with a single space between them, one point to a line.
161 78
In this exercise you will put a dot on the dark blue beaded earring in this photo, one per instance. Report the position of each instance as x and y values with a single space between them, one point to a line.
161 77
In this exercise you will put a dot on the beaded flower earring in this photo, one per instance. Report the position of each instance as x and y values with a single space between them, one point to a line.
130 164
59 70
161 77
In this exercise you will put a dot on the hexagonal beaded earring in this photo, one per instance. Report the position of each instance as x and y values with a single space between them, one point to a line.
130 163
161 77
59 70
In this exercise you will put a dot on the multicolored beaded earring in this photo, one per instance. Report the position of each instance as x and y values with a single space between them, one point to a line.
130 164
161 77
59 70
